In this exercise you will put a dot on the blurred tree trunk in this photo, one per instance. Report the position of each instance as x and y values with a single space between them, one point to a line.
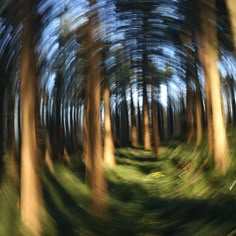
170 115
124 131
10 136
134 130
200 40
190 117
31 198
140 130
155 130
2 88
146 118
232 13
92 122
109 157
233 105
198 101
189 101
213 81
160 118
117 122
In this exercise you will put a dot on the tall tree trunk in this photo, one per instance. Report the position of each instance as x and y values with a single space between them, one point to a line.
140 130
146 118
124 131
200 39
92 121
232 94
31 199
109 157
155 130
211 70
232 13
117 123
134 130
199 110
190 116
170 115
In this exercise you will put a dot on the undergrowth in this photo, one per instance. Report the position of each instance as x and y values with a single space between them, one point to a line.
178 193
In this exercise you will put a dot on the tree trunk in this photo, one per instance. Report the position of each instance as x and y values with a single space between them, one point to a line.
170 115
92 121
109 157
134 130
213 77
140 130
198 96
146 119
31 199
155 130
117 123
190 117
233 105
232 13
200 39
124 131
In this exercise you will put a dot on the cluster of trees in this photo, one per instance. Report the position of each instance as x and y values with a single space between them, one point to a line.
94 81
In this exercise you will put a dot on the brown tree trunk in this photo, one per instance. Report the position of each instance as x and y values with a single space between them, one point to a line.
109 157
198 109
92 121
146 118
200 39
117 123
233 105
140 130
190 116
124 131
134 130
31 199
232 13
213 77
169 114
155 129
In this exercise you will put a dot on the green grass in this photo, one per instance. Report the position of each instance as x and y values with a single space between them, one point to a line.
177 194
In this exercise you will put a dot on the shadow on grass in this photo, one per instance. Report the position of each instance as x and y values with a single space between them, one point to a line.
139 206
134 211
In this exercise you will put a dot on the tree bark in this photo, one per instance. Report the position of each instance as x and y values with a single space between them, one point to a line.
124 131
232 13
109 157
146 118
155 130
31 199
134 130
213 77
92 121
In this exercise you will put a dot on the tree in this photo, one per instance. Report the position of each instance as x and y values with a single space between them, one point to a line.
109 157
92 121
232 13
212 77
30 196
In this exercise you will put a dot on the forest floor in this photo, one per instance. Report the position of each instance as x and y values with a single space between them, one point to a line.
179 193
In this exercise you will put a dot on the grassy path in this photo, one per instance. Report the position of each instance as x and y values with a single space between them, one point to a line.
174 195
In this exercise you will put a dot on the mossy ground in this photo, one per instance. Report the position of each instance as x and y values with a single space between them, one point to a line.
178 193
